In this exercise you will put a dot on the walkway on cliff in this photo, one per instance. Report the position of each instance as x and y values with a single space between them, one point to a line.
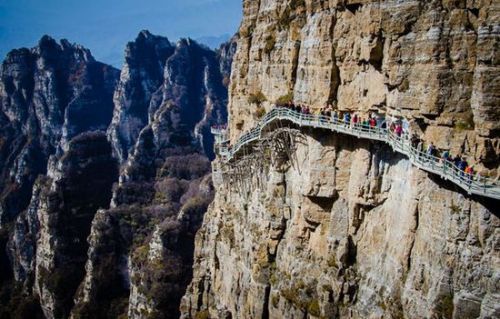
483 187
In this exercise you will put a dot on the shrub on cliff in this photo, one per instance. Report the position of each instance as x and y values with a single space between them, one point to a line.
259 112
270 43
171 190
188 167
257 98
285 99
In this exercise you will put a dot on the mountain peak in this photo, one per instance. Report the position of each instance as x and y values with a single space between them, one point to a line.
145 34
46 39
46 42
147 37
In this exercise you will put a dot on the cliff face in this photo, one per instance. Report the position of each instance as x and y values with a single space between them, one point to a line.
226 54
141 76
320 225
78 185
48 95
158 74
433 62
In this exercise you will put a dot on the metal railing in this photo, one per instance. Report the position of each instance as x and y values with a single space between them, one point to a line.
473 185
221 134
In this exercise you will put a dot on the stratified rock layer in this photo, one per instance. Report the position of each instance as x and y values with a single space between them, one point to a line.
337 227
78 185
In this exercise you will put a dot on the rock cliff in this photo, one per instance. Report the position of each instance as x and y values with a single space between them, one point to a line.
77 186
157 73
48 95
141 251
321 225
432 62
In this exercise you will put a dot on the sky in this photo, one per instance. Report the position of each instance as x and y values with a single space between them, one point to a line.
105 26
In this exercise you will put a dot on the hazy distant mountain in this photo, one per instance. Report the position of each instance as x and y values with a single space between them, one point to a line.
213 41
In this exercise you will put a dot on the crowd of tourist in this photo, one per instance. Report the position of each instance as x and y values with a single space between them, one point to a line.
445 158
346 118
396 126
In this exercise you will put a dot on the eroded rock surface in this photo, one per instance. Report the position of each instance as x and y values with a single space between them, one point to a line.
337 227
48 95
78 185
102 196
345 228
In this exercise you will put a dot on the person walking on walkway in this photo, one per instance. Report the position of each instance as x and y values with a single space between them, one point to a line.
430 149
456 160
335 117
469 172
365 124
445 156
420 147
462 165
372 122
414 140
399 130
347 119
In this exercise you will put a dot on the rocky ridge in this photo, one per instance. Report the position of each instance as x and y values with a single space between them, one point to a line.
105 212
163 189
48 95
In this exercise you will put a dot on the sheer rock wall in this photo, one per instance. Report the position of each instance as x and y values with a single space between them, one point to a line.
345 228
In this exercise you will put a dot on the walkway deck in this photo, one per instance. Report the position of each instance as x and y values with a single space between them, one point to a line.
446 170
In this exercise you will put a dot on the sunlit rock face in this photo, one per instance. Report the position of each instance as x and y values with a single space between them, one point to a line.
158 74
141 76
338 227
344 228
433 62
